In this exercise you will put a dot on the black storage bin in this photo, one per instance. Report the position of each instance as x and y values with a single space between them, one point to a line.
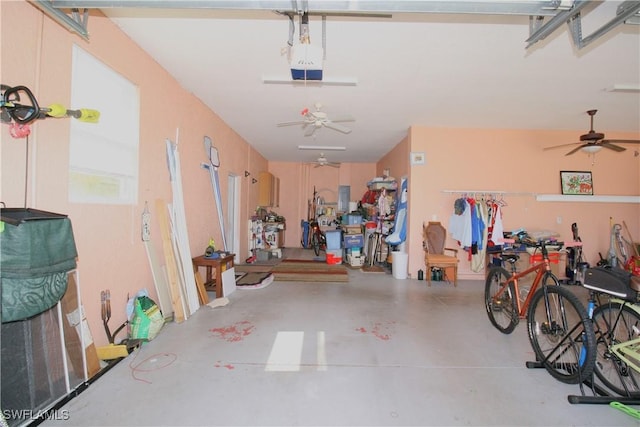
613 281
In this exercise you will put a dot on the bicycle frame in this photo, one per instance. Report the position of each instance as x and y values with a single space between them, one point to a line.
628 351
541 269
319 237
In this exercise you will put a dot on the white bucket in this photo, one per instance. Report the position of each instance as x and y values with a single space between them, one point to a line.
399 265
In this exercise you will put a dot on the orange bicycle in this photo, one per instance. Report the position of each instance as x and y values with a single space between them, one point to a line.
560 331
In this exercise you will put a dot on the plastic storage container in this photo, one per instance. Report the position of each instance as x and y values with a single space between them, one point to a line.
334 256
354 241
333 239
399 265
353 219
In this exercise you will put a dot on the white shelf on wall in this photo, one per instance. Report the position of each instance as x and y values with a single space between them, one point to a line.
555 197
585 198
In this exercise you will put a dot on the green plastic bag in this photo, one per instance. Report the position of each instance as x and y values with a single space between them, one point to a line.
147 319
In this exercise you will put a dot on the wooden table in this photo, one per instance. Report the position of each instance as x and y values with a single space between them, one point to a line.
220 264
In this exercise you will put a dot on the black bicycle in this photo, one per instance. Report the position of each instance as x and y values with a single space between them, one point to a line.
318 239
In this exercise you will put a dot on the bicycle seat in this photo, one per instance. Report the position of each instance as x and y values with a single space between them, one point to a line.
512 258
612 281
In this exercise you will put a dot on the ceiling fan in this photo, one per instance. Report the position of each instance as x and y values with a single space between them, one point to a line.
322 161
592 141
313 120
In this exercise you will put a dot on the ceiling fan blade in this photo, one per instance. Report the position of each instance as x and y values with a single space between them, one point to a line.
560 146
310 130
575 150
609 145
622 141
333 165
343 119
299 122
335 126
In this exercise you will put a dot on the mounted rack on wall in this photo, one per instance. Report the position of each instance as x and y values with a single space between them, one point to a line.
553 197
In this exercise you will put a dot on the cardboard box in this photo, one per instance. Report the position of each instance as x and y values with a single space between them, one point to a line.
355 260
352 229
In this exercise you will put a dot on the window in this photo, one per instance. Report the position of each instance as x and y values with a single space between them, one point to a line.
103 156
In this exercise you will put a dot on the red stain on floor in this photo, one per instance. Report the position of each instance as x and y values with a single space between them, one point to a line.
378 333
228 366
379 330
235 332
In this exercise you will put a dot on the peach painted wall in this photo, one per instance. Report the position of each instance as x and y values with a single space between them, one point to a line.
513 161
36 52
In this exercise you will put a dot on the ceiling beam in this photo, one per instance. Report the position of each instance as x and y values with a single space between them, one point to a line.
559 11
548 7
76 23
556 22
624 12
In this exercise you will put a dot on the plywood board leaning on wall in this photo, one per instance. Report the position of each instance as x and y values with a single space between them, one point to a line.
76 329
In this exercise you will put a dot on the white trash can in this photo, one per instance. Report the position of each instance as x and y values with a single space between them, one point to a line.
399 264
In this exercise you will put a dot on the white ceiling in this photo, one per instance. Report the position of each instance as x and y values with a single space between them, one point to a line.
437 70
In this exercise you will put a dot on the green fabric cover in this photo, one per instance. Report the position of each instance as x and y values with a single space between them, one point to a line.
35 257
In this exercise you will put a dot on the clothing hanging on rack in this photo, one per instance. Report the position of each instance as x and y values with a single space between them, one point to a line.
496 229
478 258
460 222
476 223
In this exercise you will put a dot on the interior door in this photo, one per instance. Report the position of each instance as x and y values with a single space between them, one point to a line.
233 216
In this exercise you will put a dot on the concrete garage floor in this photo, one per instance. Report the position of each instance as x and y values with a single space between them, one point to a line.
374 351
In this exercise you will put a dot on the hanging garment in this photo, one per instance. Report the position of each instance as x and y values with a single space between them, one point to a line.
478 259
497 233
460 223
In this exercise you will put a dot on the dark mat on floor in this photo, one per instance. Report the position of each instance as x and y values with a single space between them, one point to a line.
373 269
255 280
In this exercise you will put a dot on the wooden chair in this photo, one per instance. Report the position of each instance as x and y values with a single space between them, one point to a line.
434 238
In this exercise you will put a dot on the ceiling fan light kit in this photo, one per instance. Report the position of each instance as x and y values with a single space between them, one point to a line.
591 149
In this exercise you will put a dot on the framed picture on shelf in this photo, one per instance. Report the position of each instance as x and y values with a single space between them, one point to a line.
576 183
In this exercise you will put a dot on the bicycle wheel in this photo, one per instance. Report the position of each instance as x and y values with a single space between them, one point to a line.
500 300
563 340
615 323
315 243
